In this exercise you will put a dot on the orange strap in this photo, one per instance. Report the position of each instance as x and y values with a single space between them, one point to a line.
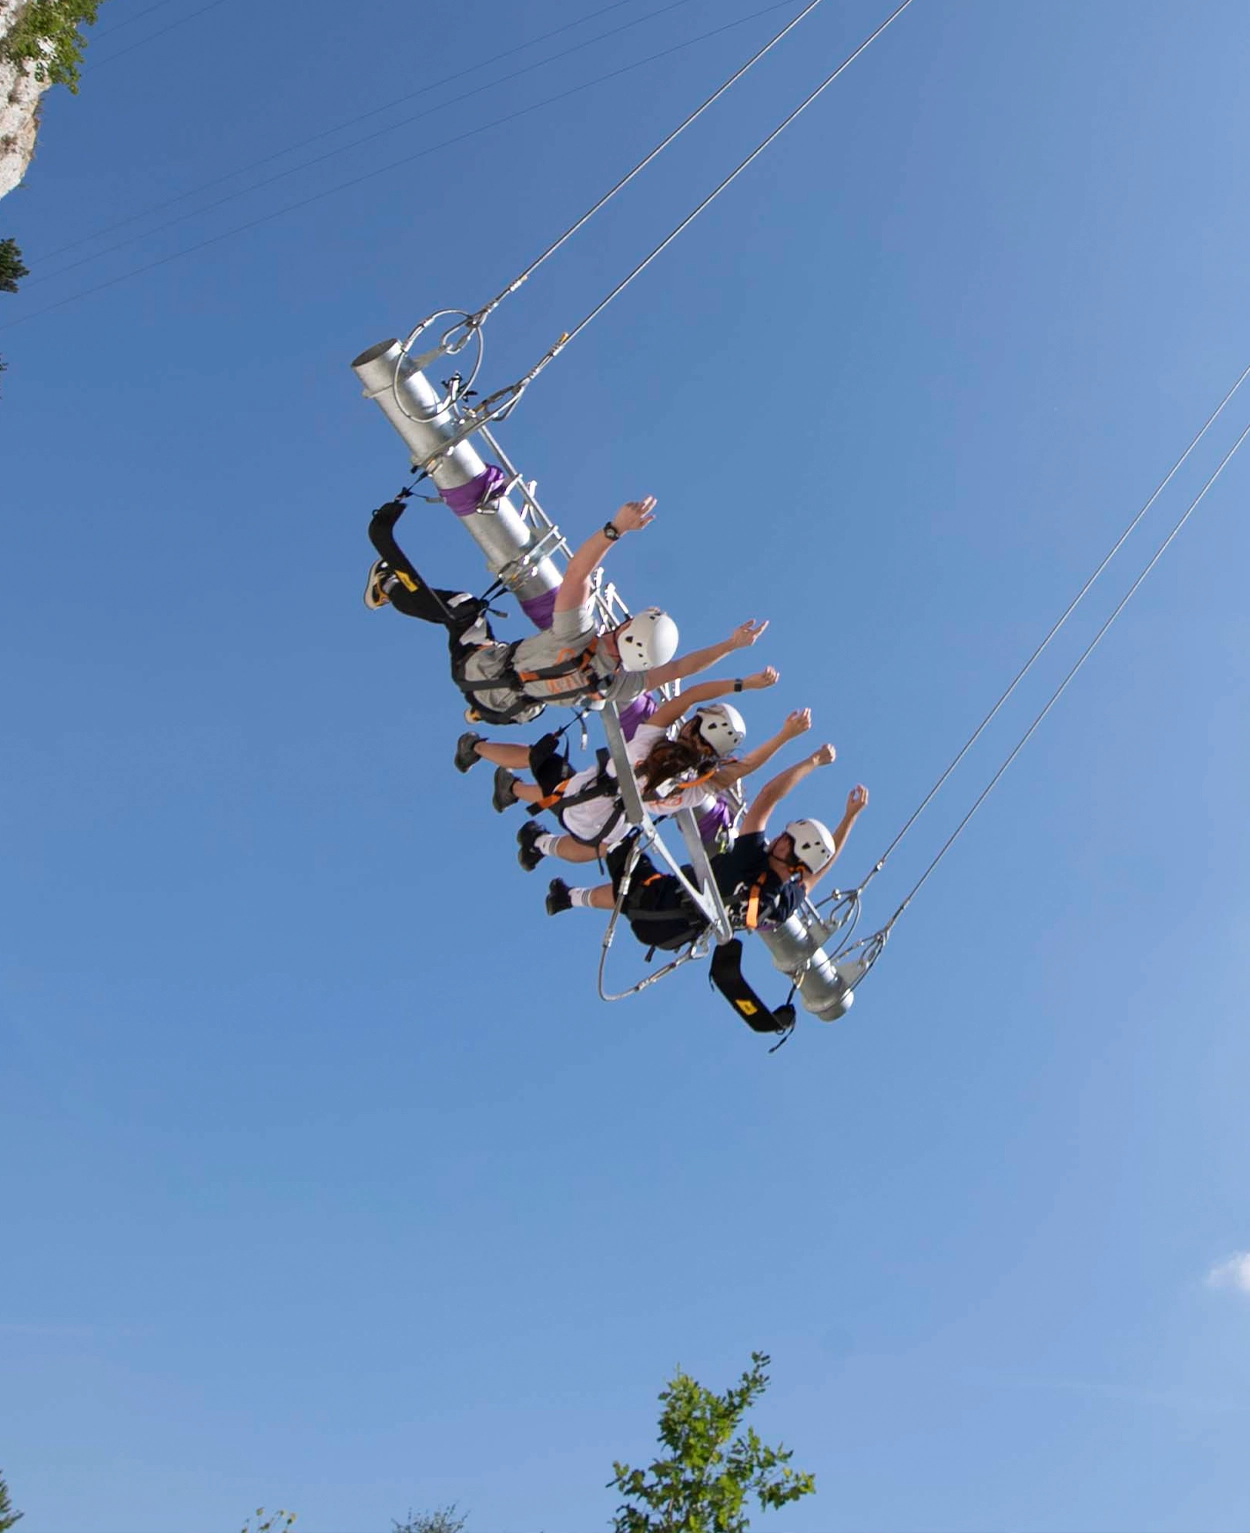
695 782
553 798
753 903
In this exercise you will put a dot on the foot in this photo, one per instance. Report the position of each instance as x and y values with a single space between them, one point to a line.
558 897
375 596
466 751
528 854
505 790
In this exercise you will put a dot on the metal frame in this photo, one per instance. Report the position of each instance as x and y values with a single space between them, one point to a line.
705 894
527 553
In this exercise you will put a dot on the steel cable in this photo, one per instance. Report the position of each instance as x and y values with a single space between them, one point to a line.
1063 685
642 164
707 201
1067 613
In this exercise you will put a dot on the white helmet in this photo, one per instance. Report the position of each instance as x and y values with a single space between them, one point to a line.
648 638
813 843
720 726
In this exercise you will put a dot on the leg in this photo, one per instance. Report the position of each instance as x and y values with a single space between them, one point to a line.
571 850
515 757
407 592
561 897
534 843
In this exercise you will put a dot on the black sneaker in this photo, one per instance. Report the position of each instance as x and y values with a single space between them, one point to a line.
529 856
505 790
466 756
558 897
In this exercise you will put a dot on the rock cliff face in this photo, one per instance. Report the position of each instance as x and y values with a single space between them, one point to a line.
19 107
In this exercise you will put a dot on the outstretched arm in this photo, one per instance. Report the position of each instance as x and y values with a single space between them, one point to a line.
690 665
856 803
707 692
797 723
575 588
773 791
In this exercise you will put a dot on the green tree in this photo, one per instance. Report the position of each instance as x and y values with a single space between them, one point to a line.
703 1483
45 35
7 1515
11 268
270 1522
442 1521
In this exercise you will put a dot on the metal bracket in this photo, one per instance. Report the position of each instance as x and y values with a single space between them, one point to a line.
704 893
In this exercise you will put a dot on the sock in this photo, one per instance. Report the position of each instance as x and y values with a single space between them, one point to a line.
581 898
547 845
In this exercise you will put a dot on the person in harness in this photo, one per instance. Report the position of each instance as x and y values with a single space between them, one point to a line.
719 726
763 882
679 763
571 663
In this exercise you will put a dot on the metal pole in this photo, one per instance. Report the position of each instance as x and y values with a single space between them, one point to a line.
411 404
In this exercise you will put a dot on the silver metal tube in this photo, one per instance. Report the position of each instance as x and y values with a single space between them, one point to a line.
796 950
410 402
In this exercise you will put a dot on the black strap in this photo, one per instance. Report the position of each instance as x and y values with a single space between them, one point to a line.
602 785
726 975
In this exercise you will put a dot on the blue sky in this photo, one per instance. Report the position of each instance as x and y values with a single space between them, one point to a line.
328 1183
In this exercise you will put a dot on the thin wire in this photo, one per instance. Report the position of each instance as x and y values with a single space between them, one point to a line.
354 143
369 175
1062 687
349 122
1067 613
643 163
129 21
712 196
98 63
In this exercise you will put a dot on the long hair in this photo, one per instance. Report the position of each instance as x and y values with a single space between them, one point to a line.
669 759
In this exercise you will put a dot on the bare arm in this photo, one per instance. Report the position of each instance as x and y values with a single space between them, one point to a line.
707 692
575 588
856 803
797 723
698 660
773 791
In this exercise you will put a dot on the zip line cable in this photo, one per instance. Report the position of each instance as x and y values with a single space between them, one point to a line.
489 308
1063 685
349 122
369 175
512 394
343 148
1067 613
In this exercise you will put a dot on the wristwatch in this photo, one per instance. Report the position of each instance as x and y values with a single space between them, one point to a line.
738 685
611 531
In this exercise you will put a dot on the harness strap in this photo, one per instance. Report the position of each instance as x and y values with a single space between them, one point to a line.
753 902
562 667
602 784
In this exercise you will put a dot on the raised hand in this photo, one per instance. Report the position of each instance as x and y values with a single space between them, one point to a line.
825 756
745 634
856 800
768 677
634 515
797 723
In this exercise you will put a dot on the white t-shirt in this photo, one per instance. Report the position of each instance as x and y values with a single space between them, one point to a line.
586 821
